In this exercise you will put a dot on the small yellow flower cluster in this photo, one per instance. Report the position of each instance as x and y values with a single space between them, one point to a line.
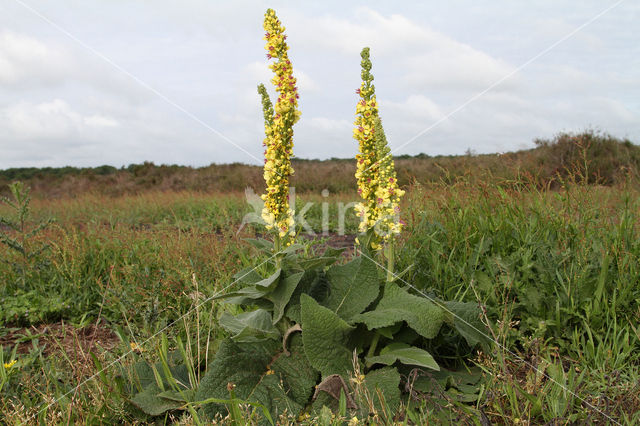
279 123
375 171
387 193
136 348
8 365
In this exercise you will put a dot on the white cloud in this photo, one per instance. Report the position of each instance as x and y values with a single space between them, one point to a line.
329 125
458 67
431 59
553 29
100 121
27 60
415 106
64 105
369 28
50 120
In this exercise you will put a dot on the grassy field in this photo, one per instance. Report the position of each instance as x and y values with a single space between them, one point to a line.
127 278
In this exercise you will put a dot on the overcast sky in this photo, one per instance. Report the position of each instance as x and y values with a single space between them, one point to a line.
87 83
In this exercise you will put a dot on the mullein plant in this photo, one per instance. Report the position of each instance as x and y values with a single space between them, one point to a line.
279 121
379 210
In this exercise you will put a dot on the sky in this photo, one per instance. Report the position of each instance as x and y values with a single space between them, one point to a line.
87 83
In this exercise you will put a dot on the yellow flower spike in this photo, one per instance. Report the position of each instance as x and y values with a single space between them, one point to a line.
8 365
388 192
279 120
375 171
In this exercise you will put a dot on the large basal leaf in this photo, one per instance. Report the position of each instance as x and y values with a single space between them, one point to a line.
328 258
268 283
317 262
465 317
150 401
422 315
282 293
312 283
354 286
254 326
324 335
271 393
242 364
384 382
296 372
254 291
288 385
262 374
406 354
144 372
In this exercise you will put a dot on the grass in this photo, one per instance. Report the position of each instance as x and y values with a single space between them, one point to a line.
128 278
595 157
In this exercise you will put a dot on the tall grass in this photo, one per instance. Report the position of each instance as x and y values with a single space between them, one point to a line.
556 270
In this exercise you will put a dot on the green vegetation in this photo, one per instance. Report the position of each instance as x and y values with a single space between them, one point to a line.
158 295
556 271
610 161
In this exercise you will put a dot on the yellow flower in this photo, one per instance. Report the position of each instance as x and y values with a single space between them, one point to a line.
375 171
8 365
354 421
304 416
279 121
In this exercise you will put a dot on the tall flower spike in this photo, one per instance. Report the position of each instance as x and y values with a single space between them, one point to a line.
375 171
279 121
388 193
366 159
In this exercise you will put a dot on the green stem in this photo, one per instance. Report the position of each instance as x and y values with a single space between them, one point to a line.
391 260
277 244
372 348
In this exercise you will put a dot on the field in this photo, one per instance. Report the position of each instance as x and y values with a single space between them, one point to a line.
116 279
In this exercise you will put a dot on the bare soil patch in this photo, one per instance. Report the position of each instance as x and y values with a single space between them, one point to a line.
77 343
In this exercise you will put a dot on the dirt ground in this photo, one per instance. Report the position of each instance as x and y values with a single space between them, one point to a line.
75 342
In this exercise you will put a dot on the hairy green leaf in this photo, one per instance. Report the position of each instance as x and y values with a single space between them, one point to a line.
324 335
328 258
242 364
254 326
383 383
465 317
248 275
422 315
312 283
150 401
281 295
406 354
262 374
145 375
296 371
255 291
354 286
